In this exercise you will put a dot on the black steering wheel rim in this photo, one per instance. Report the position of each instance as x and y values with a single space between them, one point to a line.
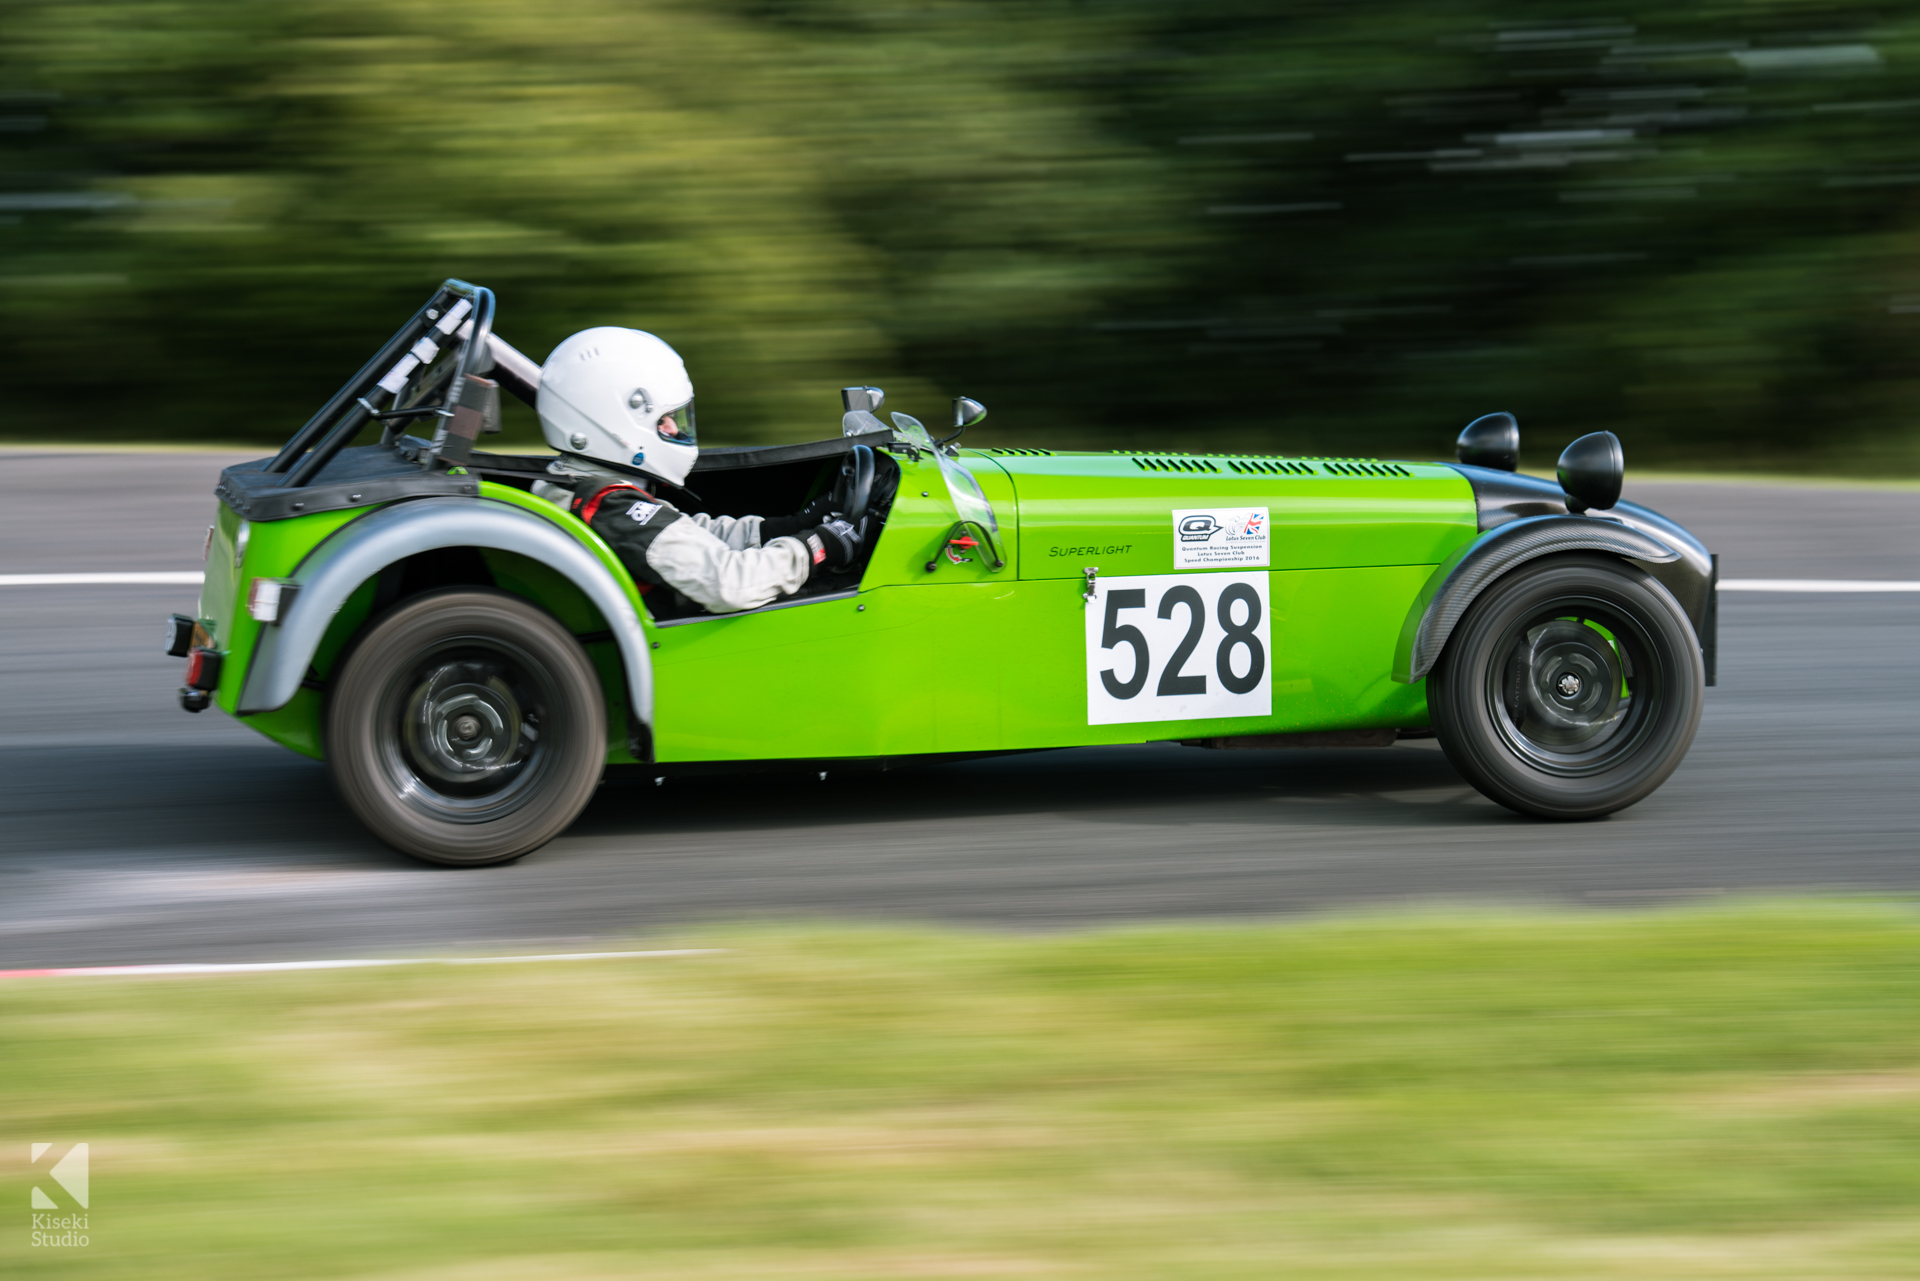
853 488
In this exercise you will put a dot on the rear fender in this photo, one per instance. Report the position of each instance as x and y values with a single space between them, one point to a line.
359 551
1458 582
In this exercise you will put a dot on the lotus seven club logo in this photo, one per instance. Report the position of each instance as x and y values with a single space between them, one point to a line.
59 1190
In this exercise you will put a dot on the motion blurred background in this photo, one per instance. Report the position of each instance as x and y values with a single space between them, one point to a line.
1298 225
1309 226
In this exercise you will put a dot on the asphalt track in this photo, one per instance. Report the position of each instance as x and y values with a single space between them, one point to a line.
131 832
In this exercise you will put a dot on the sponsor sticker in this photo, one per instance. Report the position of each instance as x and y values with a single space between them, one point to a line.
1221 539
642 512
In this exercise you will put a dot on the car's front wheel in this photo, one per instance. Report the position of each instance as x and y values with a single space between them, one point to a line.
1572 688
466 728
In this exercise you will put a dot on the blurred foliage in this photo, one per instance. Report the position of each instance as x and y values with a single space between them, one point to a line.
1730 1094
1315 226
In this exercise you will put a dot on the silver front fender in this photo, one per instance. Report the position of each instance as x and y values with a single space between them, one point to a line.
356 552
1459 581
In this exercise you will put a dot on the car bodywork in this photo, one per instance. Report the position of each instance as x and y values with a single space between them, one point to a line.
943 643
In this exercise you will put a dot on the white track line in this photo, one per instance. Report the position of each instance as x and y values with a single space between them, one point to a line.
1814 585
169 578
269 967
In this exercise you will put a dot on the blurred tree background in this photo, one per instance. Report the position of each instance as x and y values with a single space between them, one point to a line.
1306 226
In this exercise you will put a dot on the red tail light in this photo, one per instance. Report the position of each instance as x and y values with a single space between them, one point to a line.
203 669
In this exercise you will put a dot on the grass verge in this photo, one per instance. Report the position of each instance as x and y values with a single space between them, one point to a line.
1725 1093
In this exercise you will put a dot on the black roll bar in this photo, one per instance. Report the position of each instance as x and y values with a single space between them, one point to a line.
472 359
328 433
477 352
405 337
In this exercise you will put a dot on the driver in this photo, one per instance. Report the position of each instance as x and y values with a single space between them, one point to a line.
618 405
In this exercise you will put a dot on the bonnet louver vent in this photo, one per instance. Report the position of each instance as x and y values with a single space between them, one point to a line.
1173 464
1246 466
1019 453
1269 467
1366 469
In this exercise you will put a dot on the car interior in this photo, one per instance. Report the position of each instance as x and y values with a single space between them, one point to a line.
750 480
409 387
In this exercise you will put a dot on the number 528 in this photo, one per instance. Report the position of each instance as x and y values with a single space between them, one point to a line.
1198 641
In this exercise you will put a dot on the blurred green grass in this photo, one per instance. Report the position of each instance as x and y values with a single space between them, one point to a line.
1723 1093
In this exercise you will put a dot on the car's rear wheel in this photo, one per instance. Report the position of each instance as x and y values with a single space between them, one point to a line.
466 728
1572 688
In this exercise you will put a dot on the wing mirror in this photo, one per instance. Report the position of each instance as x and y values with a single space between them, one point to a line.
1591 470
1492 440
966 412
855 399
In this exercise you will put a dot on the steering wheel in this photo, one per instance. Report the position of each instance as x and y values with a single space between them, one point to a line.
853 488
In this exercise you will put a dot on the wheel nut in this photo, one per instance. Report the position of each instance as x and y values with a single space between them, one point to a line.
1568 685
466 728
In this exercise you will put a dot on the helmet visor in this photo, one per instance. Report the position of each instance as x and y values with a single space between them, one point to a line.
676 426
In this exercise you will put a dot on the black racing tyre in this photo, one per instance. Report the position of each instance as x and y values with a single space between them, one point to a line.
466 728
1572 688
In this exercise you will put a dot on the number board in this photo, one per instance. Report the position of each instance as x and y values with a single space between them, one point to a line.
1178 647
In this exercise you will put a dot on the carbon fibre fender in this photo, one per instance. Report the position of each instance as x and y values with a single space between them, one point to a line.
1455 584
358 551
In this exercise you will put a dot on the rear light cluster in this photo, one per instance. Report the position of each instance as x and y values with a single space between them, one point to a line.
203 662
203 677
268 600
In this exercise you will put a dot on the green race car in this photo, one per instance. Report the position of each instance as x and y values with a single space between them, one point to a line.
470 658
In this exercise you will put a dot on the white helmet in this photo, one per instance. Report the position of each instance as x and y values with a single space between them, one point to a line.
620 396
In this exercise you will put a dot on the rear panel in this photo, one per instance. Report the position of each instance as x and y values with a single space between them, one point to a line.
240 552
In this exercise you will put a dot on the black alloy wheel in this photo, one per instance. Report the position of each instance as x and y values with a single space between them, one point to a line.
466 728
1571 689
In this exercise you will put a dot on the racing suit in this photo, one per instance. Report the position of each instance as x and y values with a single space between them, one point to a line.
723 563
